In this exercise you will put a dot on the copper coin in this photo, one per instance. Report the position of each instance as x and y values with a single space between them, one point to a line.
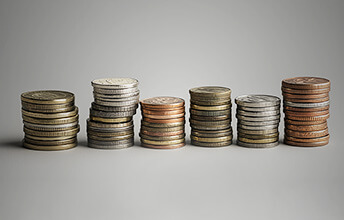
306 134
305 96
317 127
309 118
308 140
303 144
174 146
161 134
305 91
299 114
306 83
306 109
325 99
163 116
163 112
162 102
301 123
210 118
164 120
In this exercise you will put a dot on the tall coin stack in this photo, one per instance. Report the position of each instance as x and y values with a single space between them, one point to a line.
163 121
110 125
210 116
51 120
258 120
306 106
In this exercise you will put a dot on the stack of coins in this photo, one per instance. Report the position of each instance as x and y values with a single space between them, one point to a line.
258 120
306 107
163 120
110 125
210 116
51 120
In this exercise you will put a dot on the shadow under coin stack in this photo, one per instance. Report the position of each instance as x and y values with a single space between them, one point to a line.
51 120
110 125
163 121
306 108
210 116
258 120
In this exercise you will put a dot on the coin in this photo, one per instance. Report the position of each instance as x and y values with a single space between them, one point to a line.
257 100
163 116
110 143
211 108
182 119
316 127
210 118
108 133
306 83
302 123
257 132
309 118
70 132
61 127
258 141
104 114
259 136
50 115
114 91
210 128
172 146
265 127
49 147
110 138
59 138
210 113
258 123
98 107
257 114
305 91
163 112
115 104
166 129
111 120
100 125
161 134
253 145
211 139
306 105
266 118
304 144
211 144
162 102
307 140
50 143
259 109
306 114
210 123
307 100
37 108
305 96
210 102
105 146
211 134
162 143
210 91
57 121
115 83
47 97
306 134
134 99
133 96
306 109
162 138
162 125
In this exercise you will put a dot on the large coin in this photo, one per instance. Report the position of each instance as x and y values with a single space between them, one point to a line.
211 144
111 138
306 100
302 123
100 125
50 115
210 118
117 100
164 120
49 147
163 112
210 123
161 143
210 113
316 127
106 147
257 100
162 102
210 134
58 138
110 143
70 132
60 127
258 114
308 118
323 108
305 96
306 105
306 114
114 108
210 91
306 83
57 121
253 145
166 129
172 146
161 134
111 120
115 83
210 102
118 114
259 136
162 138
210 128
47 97
101 133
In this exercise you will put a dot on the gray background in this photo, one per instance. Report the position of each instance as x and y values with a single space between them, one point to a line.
169 46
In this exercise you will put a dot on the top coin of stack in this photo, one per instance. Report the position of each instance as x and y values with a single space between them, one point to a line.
210 116
111 116
258 120
306 106
163 120
50 120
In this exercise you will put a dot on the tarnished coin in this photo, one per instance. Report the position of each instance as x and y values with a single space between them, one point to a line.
210 113
119 91
54 109
49 147
309 118
210 118
258 114
163 116
210 123
210 134
125 96
108 147
111 120
305 144
100 125
259 109
211 139
70 132
307 100
161 134
210 102
50 143
257 132
182 119
58 138
166 129
253 145
306 105
115 83
306 134
50 115
162 138
306 83
110 143
258 141
57 121
316 127
211 144
172 146
162 102
210 128
106 133
265 127
305 96
302 123
162 143
306 114
114 103
114 108
258 123
118 114
164 112
259 136
210 91
211 108
257 100
162 125
110 138
305 91
324 108
60 127
307 140
47 97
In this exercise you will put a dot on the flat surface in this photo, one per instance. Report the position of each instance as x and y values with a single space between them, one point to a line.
170 47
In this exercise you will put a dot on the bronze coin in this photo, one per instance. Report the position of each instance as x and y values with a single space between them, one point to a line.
160 125
294 122
305 91
308 118
316 127
174 146
299 114
164 112
305 96
306 83
306 134
308 140
164 120
325 99
303 144
306 109
161 134
210 118
163 102
144 115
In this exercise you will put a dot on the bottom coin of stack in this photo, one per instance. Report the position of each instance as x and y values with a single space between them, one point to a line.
258 120
50 120
306 110
163 121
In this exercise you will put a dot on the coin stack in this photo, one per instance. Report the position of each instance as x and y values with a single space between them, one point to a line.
110 125
258 120
210 116
163 120
51 120
306 108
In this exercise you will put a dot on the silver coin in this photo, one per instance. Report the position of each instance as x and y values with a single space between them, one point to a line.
116 104
68 125
115 83
115 96
210 113
257 100
116 91
104 114
96 124
114 108
98 129
257 132
266 118
264 127
207 128
259 109
257 114
110 143
259 123
252 145
117 146
306 105
126 99
162 125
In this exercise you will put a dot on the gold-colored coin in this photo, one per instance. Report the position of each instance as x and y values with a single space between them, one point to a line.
162 138
112 138
58 121
225 122
211 134
48 147
47 97
210 91
210 102
70 132
211 140
60 138
211 144
166 129
50 143
258 136
257 132
258 141
61 127
111 120
50 115
50 109
210 128
210 108
171 142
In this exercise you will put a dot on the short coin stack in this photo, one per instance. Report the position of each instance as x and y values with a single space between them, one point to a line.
258 120
163 121
110 125
51 120
306 106
210 116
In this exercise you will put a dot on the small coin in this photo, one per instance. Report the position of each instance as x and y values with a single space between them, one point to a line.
47 97
307 140
40 109
306 109
210 91
59 138
259 136
134 95
210 118
114 108
305 96
316 127
210 102
166 129
306 114
309 118
110 143
211 108
115 83
58 121
100 125
210 123
61 127
163 102
259 109
210 113
211 139
162 143
163 116
111 120
306 100
211 144
257 132
161 134
70 132
162 138
305 144
172 146
106 147
306 105
258 141
182 119
258 123
162 125
163 112
256 128
115 104
302 123
50 115
253 145
306 83
117 114
50 143
305 91
258 114
119 91
257 100
49 147
306 134
112 138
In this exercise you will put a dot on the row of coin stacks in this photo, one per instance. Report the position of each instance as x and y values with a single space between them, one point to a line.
51 119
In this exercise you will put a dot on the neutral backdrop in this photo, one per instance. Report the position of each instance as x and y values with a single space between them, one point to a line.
170 47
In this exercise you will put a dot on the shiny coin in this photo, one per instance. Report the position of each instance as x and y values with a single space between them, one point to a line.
257 132
307 140
170 142
211 139
70 132
258 123
258 114
306 134
210 91
99 133
49 147
305 91
117 100
304 144
163 116
172 146
211 144
260 109
51 115
210 128
104 114
210 113
95 106
47 97
253 145
257 100
309 118
163 112
306 83
162 138
50 143
57 121
115 83
210 108
265 127
162 102
117 96
100 125
112 138
58 138
60 127
162 125
306 105
306 114
115 104
111 120
112 91
258 141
